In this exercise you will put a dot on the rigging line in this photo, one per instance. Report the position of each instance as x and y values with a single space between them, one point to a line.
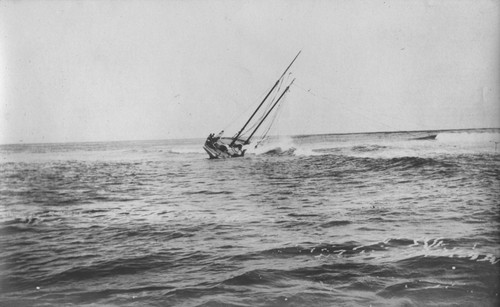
259 119
270 103
275 84
342 105
240 115
275 116
276 92
264 136
285 78
267 114
234 120
251 127
269 126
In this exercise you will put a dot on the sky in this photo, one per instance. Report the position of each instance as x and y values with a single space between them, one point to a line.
77 71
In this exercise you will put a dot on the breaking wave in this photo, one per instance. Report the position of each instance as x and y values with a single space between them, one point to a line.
487 136
279 152
186 150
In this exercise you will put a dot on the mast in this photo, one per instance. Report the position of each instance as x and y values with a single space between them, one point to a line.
265 98
268 112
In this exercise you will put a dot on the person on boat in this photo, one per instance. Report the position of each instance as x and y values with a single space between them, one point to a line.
217 137
210 139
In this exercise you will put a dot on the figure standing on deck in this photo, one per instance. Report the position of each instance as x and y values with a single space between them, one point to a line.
210 139
220 134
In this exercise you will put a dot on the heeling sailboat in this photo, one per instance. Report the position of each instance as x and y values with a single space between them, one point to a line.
218 147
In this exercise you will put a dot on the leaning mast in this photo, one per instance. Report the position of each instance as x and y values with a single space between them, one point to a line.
262 102
268 112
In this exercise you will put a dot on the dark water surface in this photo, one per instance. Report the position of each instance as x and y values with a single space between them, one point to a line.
346 220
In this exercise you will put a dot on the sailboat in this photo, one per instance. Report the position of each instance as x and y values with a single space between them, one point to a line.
219 147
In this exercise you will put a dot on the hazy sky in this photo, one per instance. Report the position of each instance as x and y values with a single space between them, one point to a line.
128 70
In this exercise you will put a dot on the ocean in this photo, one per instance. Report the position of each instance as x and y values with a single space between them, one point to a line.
375 219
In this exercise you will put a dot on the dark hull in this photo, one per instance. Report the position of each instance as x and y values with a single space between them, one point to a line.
215 153
428 137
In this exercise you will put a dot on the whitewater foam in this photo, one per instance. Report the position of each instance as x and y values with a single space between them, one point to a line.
279 144
469 137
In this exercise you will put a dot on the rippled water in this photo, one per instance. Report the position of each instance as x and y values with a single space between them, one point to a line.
344 220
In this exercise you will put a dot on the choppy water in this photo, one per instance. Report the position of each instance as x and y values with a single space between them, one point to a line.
346 220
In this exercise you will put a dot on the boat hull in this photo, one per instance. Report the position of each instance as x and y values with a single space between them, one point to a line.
215 153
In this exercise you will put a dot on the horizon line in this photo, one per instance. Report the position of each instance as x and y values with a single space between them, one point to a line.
294 135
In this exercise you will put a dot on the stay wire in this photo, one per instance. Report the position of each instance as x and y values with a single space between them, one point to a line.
267 107
240 115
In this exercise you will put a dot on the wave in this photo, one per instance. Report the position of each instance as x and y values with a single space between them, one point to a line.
396 249
343 165
278 151
207 192
26 220
393 268
19 225
93 269
368 148
435 280
15 229
414 267
406 163
335 223
282 145
186 150
334 150
82 296
431 271
487 136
